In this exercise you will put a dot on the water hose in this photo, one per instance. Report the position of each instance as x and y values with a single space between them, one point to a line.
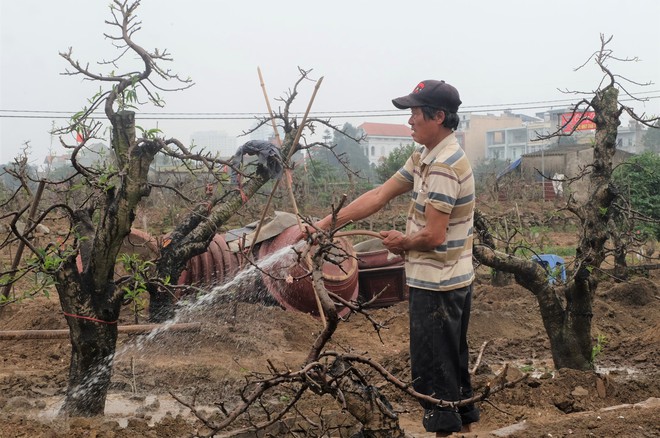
359 233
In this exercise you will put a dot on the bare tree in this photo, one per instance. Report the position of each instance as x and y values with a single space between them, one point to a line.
566 308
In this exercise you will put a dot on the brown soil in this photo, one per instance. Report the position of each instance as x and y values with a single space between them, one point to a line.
619 399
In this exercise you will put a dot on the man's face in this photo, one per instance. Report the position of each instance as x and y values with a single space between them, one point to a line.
424 131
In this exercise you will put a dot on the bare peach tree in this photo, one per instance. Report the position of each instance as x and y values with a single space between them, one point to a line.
567 307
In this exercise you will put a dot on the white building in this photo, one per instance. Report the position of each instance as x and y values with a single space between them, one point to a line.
382 138
215 141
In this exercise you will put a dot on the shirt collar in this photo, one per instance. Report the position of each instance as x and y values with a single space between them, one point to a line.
428 155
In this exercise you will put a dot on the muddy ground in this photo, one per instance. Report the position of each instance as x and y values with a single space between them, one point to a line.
622 398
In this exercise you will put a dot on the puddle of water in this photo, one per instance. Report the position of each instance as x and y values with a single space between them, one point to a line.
535 369
121 408
539 368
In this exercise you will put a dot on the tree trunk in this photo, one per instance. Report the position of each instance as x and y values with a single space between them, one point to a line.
571 342
87 294
93 333
568 327
92 355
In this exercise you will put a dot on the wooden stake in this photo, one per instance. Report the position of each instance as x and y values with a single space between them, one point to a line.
287 171
270 111
7 335
287 176
291 150
21 244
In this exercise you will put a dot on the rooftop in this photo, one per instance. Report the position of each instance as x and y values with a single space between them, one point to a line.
385 130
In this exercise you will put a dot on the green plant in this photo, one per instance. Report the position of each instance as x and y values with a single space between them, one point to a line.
638 180
394 161
527 368
597 349
135 288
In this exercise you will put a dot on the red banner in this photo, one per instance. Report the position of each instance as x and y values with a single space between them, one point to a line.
582 121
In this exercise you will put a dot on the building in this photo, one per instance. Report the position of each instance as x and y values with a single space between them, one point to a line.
565 162
630 138
95 154
215 142
475 128
382 138
509 144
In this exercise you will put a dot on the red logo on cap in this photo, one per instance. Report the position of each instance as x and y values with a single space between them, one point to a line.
419 87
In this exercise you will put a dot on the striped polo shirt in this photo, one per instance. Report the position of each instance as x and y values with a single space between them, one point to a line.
442 178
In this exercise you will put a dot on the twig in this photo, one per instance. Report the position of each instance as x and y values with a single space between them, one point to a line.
478 361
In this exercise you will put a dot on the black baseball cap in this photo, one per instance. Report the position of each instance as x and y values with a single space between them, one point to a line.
436 94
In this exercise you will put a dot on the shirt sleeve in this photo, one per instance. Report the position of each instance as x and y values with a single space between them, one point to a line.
442 187
405 174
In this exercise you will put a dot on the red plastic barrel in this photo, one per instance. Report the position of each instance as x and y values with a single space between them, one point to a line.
341 278
215 266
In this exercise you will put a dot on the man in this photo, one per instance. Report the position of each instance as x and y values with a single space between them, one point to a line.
437 246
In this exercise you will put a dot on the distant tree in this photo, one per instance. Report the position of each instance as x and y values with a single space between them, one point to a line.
651 139
17 173
485 175
393 162
345 151
638 180
320 172
347 144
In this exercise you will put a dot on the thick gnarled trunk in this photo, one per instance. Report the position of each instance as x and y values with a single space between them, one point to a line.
567 320
85 284
92 354
92 320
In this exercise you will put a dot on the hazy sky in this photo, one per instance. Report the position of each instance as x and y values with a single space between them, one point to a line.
497 53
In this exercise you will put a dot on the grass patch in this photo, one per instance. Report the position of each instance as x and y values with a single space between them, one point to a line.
561 251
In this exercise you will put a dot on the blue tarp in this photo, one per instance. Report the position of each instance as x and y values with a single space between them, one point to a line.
510 168
554 265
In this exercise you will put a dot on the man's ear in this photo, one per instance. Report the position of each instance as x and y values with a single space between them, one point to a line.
440 117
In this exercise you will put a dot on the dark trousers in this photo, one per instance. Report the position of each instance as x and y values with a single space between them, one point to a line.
439 355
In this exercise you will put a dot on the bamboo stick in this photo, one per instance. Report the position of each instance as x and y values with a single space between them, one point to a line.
277 182
291 151
21 245
287 171
7 335
270 111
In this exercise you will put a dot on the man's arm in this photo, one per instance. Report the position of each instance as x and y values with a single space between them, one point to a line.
368 203
426 239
